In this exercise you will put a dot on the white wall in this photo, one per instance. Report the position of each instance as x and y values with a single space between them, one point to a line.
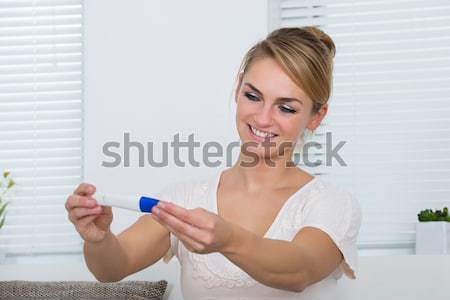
157 68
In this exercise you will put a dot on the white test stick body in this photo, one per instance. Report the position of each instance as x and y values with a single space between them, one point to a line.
136 203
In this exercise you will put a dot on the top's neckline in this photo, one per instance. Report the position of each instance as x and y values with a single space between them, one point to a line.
303 188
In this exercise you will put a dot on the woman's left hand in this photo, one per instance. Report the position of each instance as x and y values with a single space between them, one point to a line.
198 229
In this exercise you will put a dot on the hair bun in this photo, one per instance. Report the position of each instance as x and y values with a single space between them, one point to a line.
324 38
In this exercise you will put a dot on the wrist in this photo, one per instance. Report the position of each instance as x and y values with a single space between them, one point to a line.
238 240
108 235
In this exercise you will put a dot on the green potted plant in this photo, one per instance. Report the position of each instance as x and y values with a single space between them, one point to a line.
433 232
6 184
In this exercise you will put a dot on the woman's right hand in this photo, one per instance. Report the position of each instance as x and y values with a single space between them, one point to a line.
92 221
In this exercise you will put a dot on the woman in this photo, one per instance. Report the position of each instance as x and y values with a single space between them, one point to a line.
262 229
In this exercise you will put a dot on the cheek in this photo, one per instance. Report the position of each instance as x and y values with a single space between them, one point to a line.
242 116
244 109
292 127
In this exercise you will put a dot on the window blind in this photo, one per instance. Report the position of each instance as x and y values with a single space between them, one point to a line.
41 121
390 104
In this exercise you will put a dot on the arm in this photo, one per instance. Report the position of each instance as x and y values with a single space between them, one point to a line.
308 258
108 257
116 257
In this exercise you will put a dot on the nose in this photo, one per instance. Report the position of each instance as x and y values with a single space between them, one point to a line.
263 118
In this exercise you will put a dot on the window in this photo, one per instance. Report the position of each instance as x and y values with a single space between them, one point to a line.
41 122
391 106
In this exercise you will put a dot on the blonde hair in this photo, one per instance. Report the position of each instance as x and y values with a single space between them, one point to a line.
305 53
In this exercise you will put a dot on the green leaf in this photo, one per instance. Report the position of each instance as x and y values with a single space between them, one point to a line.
11 183
3 208
429 215
2 222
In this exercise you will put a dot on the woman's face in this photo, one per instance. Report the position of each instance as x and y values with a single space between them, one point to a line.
271 108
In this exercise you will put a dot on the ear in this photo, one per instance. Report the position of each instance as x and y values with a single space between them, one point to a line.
238 85
318 117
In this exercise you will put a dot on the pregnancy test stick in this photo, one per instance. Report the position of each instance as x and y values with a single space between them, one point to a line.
137 203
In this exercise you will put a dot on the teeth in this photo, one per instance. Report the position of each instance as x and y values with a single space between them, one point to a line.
261 133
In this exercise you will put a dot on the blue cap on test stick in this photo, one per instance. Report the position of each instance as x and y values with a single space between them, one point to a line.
146 204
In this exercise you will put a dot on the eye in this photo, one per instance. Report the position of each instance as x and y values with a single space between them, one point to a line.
251 96
287 109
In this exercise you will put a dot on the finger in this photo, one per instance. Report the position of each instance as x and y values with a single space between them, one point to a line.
175 210
83 227
180 226
79 201
179 212
85 189
78 213
198 217
83 222
106 210
191 244
203 218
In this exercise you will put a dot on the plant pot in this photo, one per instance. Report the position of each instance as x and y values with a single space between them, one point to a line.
433 238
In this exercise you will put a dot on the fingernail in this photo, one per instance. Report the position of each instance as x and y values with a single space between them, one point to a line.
157 210
91 202
161 204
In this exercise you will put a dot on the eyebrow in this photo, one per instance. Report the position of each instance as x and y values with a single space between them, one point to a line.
285 99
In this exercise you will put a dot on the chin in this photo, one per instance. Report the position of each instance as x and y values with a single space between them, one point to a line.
256 149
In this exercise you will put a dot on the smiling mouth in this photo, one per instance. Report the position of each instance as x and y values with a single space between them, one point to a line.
261 134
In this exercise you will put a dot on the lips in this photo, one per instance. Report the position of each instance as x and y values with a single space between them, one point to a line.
260 135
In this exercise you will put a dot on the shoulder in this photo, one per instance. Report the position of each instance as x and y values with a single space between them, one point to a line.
332 203
327 192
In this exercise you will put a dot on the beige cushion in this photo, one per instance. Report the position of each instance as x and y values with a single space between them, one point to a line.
82 290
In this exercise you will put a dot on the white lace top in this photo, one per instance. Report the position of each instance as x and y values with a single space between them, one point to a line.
318 204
